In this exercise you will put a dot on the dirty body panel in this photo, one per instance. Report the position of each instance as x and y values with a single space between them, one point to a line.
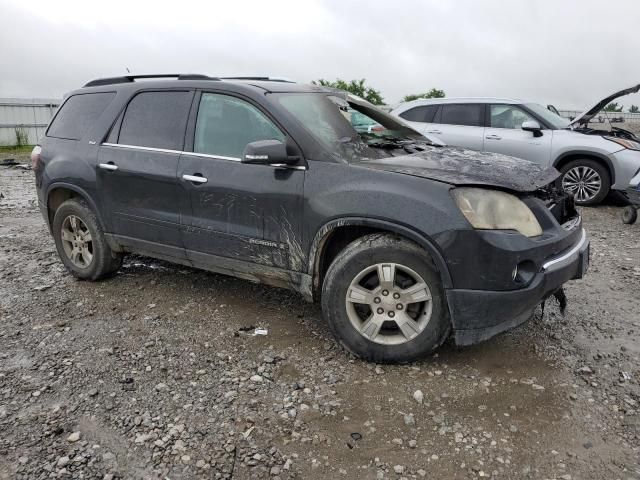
458 166
272 223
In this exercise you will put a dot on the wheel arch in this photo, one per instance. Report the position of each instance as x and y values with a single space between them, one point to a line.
338 233
567 157
59 192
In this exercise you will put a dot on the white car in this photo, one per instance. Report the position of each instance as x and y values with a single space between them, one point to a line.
592 161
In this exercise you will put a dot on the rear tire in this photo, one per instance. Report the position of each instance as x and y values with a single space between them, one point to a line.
588 180
81 243
384 301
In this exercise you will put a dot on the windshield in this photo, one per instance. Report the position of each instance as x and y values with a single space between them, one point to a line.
556 121
351 128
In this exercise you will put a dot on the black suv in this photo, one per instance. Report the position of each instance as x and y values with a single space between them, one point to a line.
404 242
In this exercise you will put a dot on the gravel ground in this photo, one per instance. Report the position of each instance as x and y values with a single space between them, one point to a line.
159 373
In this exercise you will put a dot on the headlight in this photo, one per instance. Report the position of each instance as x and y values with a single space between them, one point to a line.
629 144
496 210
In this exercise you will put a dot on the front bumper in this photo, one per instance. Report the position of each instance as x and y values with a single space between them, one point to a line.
626 164
478 315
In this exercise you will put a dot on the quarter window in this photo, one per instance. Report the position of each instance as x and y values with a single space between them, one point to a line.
508 116
156 119
226 124
79 113
424 113
462 114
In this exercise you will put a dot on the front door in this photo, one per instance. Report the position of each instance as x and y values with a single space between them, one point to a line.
504 135
136 172
238 211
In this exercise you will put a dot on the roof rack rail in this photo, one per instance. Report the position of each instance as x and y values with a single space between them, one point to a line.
259 79
131 78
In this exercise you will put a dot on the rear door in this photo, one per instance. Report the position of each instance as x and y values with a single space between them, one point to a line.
235 210
460 125
137 168
504 135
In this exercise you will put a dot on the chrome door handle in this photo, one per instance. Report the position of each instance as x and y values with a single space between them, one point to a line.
194 178
108 166
493 137
437 132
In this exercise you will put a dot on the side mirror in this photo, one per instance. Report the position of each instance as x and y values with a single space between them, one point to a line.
267 152
533 127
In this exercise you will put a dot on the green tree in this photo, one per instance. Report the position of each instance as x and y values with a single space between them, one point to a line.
613 107
357 87
433 93
634 109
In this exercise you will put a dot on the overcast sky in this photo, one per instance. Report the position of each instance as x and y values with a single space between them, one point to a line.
569 53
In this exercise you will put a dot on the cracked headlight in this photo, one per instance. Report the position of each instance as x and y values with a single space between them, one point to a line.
496 210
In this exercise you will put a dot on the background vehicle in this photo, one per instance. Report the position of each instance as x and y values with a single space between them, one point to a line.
592 161
402 241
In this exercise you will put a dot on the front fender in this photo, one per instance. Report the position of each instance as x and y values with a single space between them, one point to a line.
325 231
588 153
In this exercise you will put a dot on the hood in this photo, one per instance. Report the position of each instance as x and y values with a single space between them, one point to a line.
588 114
459 166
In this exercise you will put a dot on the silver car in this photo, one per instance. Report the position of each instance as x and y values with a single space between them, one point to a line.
593 161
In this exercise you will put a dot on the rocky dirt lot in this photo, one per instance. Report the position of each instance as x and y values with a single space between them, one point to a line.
160 372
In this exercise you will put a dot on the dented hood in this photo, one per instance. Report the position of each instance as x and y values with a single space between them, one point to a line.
459 166
591 112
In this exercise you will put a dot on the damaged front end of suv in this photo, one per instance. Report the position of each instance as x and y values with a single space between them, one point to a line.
507 236
526 246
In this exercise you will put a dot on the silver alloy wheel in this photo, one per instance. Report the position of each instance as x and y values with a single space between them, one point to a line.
389 303
77 241
584 182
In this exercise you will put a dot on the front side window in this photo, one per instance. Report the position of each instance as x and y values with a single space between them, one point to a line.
467 114
424 113
79 113
226 124
555 121
508 116
156 119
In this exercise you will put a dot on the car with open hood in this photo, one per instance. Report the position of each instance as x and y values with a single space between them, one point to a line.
403 241
592 160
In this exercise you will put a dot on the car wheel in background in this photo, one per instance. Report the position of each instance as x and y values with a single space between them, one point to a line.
384 301
588 180
80 242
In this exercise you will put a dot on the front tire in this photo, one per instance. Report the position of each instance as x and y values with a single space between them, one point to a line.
384 301
588 180
81 243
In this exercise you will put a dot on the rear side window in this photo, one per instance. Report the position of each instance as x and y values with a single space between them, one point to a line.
156 119
78 114
463 114
424 113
